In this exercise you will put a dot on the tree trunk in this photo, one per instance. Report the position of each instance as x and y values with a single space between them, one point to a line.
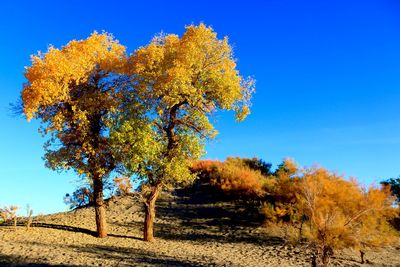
313 261
150 213
327 253
99 208
15 222
362 254
303 218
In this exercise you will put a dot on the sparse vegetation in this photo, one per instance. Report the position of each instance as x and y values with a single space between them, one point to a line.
123 185
9 213
310 204
119 119
342 214
29 218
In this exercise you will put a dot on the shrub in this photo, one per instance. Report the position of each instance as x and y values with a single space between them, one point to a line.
9 213
342 214
235 176
29 219
123 185
282 198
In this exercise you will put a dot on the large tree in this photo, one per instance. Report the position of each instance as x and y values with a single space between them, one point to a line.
75 92
183 80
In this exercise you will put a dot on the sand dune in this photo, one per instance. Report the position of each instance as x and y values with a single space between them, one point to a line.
191 230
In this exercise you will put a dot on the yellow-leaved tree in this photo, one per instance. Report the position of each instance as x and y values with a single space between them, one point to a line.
183 80
75 92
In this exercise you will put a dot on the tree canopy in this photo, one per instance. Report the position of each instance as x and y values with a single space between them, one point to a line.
183 80
75 92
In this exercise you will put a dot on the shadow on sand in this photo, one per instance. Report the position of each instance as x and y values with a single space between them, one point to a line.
69 229
122 255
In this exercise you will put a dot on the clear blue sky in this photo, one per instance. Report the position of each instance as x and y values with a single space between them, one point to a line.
328 81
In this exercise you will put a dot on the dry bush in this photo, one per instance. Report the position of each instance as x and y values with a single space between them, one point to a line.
343 215
234 176
29 219
282 197
123 185
240 180
9 213
205 169
313 204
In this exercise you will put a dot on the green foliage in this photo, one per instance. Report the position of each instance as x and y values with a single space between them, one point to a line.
283 202
258 164
180 81
394 184
80 197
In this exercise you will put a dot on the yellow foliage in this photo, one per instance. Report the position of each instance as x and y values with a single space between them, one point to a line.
53 74
123 184
184 79
283 197
8 213
73 90
233 176
342 214
197 69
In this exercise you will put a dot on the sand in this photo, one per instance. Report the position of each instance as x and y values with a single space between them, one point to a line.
190 230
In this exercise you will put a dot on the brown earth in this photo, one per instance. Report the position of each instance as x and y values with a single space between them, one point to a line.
192 229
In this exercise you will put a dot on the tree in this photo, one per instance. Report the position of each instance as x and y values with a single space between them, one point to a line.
341 214
75 91
79 198
283 197
258 164
394 184
184 80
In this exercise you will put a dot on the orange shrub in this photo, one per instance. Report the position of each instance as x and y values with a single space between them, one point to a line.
342 214
205 169
123 185
283 196
233 176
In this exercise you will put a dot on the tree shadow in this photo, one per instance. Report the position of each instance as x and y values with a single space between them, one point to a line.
136 256
64 228
10 260
69 228
120 256
204 215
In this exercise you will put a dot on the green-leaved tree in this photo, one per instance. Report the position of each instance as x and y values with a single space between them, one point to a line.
182 80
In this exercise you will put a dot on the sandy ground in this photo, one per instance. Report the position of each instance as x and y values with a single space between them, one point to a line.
190 231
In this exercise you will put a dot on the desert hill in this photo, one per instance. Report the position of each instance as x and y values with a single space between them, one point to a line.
194 227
